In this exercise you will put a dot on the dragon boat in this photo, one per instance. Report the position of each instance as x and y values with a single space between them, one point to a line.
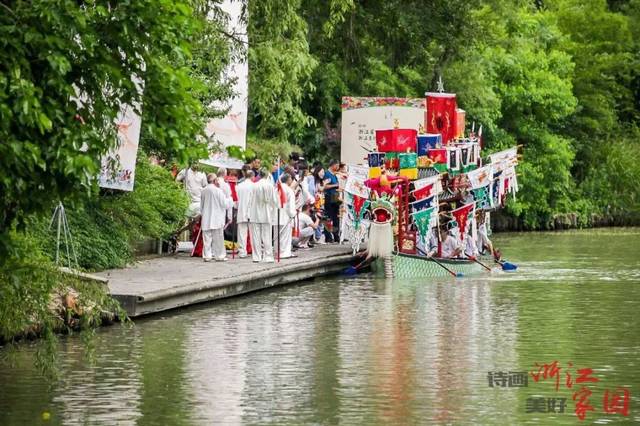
428 192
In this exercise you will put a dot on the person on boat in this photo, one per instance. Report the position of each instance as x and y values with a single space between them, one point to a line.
214 203
484 243
470 247
451 246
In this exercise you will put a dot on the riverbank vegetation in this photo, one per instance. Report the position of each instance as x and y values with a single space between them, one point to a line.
561 78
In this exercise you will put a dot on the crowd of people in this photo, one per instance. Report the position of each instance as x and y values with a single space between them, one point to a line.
266 213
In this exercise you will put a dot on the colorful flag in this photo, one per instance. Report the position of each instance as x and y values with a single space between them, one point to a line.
431 180
453 158
417 206
480 177
356 186
422 220
438 156
510 156
482 197
463 215
441 115
424 192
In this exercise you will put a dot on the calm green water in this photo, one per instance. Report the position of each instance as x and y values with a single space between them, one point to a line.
364 351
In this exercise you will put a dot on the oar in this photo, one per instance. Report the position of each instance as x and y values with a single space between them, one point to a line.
480 263
353 270
507 266
455 274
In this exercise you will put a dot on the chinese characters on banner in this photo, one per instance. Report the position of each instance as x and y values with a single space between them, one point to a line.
119 166
581 383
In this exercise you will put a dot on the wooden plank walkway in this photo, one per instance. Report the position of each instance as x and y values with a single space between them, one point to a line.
171 282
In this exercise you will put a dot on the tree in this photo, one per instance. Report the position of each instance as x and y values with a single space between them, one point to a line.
65 71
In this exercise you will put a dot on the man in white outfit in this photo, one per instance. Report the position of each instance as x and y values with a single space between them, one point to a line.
213 205
262 205
244 190
287 213
226 188
194 181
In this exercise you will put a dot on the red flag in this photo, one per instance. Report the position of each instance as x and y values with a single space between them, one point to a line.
358 202
462 215
441 115
438 155
281 195
424 192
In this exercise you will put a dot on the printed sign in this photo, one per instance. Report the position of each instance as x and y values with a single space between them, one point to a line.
361 117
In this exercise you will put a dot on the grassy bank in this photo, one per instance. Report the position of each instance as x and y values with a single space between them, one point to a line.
38 299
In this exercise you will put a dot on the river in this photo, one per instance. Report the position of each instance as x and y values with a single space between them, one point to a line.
369 351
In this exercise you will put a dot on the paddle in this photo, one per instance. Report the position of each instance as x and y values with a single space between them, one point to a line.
480 263
353 270
455 274
507 266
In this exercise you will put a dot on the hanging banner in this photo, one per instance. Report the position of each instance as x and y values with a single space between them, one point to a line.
480 177
231 130
441 116
509 156
361 172
118 167
434 181
362 116
463 215
356 187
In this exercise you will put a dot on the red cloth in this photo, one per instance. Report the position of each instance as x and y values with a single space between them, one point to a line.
438 155
232 181
441 115
422 193
197 249
462 214
397 140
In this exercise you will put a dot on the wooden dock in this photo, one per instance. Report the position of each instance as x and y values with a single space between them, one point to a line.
170 282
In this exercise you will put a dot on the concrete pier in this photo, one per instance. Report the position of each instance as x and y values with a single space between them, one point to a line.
171 282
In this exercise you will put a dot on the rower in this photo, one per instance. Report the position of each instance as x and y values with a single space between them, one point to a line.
483 240
451 246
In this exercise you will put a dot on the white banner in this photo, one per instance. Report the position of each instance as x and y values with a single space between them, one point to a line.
356 186
421 183
362 116
124 157
510 156
231 130
480 177
361 172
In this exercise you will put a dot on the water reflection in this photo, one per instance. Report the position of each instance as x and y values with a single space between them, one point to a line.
361 350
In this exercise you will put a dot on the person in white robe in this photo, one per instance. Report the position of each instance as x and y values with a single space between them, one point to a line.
287 215
428 246
451 246
226 188
244 190
262 205
194 181
213 206
483 239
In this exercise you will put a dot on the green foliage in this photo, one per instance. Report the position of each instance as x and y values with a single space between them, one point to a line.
281 68
561 78
106 228
65 71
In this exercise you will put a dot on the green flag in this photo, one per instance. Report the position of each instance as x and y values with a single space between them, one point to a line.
422 219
